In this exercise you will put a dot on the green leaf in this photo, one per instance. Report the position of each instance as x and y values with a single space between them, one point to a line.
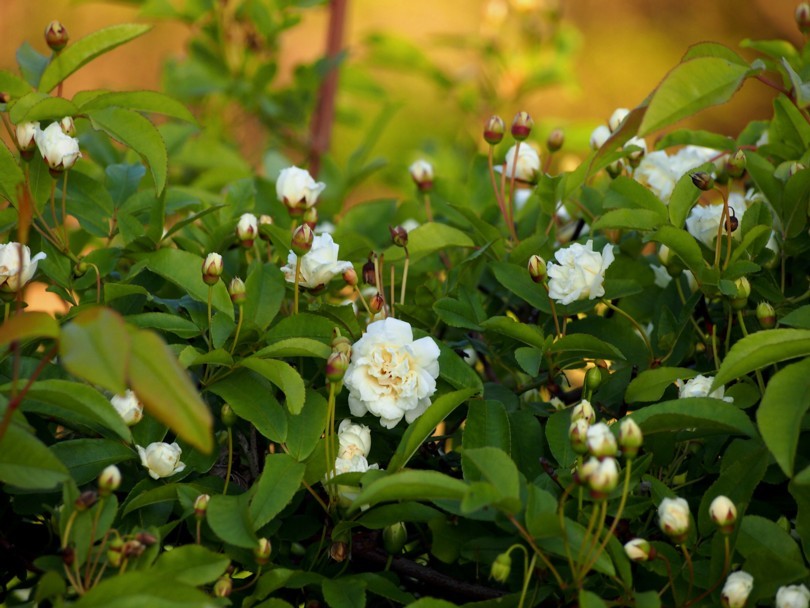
305 429
192 564
684 196
278 483
86 458
140 101
629 219
95 347
27 463
558 440
295 347
166 391
456 313
165 322
136 132
797 318
650 384
265 288
82 51
36 107
703 415
344 593
284 376
411 485
487 425
780 414
229 519
579 346
496 467
761 349
522 332
588 599
692 86
27 327
251 397
683 244
422 428
427 239
706 139
144 588
183 269
13 84
11 176
542 520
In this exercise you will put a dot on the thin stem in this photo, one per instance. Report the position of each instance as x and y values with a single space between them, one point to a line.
14 403
64 206
391 287
561 515
726 564
230 461
719 242
498 193
199 531
98 283
553 310
714 347
594 540
297 279
363 300
99 509
509 202
428 208
404 277
635 324
68 528
527 576
238 327
378 279
691 567
53 208
668 566
525 534
760 380
210 326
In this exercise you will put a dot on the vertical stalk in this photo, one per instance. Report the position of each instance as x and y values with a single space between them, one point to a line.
238 327
297 279
230 461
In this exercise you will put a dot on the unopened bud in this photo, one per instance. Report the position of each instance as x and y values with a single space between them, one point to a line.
639 550
494 129
338 551
350 276
109 480
262 551
336 366
68 556
114 549
584 411
369 273
376 304
522 126
578 435
132 548
223 586
310 217
25 132
246 229
399 236
733 222
86 500
394 538
766 315
735 165
803 17
228 416
201 505
237 291
68 128
302 239
617 118
601 441
501 568
743 287
593 379
146 539
422 174
342 344
615 169
212 268
56 36
630 437
603 478
723 514
702 180
537 268
555 140
4 97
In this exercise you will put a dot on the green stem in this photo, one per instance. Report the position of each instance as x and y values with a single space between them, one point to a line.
528 537
17 398
64 206
561 515
691 567
230 461
668 566
527 576
404 277
297 279
93 528
238 327
68 528
363 301
553 310
635 324
210 316
760 380
428 209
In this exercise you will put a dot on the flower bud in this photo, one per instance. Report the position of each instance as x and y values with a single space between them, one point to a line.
736 590
639 550
603 478
673 518
146 539
342 344
109 480
522 126
369 273
615 169
114 548
599 136
350 276
228 416
630 437
803 17
237 291
766 315
702 180
394 538
723 513
537 268
422 174
494 129
68 555
376 304
25 135
593 379
583 411
601 442
86 500
68 128
616 119
399 236
4 97
578 435
793 596
501 568
555 140
132 548
338 551
302 240
740 301
212 268
585 470
201 505
56 36
310 217
336 366
223 586
262 551
246 229
735 165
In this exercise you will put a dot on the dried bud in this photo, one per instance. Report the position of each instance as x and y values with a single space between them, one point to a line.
302 240
262 551
702 180
733 222
522 126
723 514
86 500
212 268
639 550
350 276
132 548
336 366
246 229
399 236
494 129
228 416
766 315
310 217
555 140
376 304
537 268
56 36
803 17
630 437
201 505
369 273
338 551
68 556
735 165
578 435
501 568
223 586
109 480
146 539
394 538
237 291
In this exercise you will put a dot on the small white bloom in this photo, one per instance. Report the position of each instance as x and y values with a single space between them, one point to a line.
319 265
604 477
662 276
699 386
60 151
793 596
161 459
601 441
638 550
527 166
615 120
421 172
579 273
110 479
16 269
247 227
353 439
704 220
673 517
723 512
599 136
296 188
737 589
128 407
391 375
26 131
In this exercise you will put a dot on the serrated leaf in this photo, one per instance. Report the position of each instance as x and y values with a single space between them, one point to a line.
140 101
284 376
229 519
761 349
36 107
278 483
703 415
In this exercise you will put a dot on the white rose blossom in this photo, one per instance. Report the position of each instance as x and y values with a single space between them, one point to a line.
295 187
699 386
25 132
660 171
737 589
704 220
353 439
527 167
319 265
391 375
128 407
579 273
161 459
60 151
793 596
15 269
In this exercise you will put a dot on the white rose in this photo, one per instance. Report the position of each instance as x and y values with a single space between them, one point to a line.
60 151
247 227
527 167
638 550
421 172
128 407
579 274
319 265
699 386
296 187
161 459
662 276
737 589
703 220
354 439
599 136
355 464
13 273
673 516
26 131
793 596
392 375
660 171
619 114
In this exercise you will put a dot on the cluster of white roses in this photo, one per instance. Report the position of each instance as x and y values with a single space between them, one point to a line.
354 445
56 143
